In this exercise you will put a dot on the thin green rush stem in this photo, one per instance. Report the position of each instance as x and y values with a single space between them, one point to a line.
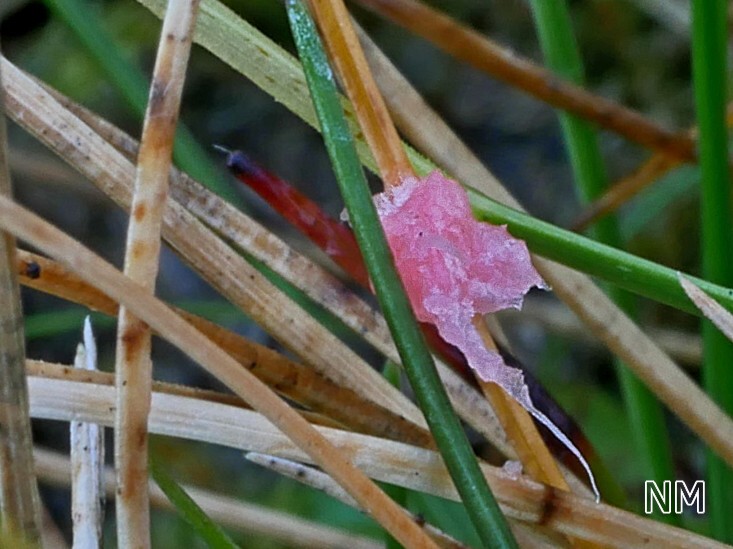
207 529
709 48
620 268
449 435
133 87
562 54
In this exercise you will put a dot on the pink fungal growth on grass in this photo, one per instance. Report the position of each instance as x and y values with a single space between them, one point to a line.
455 268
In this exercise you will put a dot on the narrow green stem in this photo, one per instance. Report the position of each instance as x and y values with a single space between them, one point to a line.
206 528
449 435
645 413
709 47
133 86
620 268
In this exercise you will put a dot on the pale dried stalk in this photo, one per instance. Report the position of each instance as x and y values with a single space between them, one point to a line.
384 460
233 513
554 316
621 191
528 536
132 363
351 66
87 461
198 347
51 535
622 336
712 310
50 370
20 507
221 266
286 377
319 480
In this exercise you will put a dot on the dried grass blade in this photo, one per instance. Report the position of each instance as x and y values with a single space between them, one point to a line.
51 370
132 363
712 310
221 266
628 187
321 481
384 460
20 507
197 346
233 513
87 460
623 190
288 378
502 63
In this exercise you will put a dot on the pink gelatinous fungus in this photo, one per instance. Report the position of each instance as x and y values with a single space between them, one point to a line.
454 267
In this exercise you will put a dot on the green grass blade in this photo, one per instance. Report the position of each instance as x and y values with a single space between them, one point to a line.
206 528
709 49
620 268
645 413
133 86
449 436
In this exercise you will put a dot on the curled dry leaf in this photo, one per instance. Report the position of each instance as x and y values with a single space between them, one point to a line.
455 268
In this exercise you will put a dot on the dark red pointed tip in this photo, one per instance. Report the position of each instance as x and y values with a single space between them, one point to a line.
237 161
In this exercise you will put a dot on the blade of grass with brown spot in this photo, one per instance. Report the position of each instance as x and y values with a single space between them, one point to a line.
132 362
